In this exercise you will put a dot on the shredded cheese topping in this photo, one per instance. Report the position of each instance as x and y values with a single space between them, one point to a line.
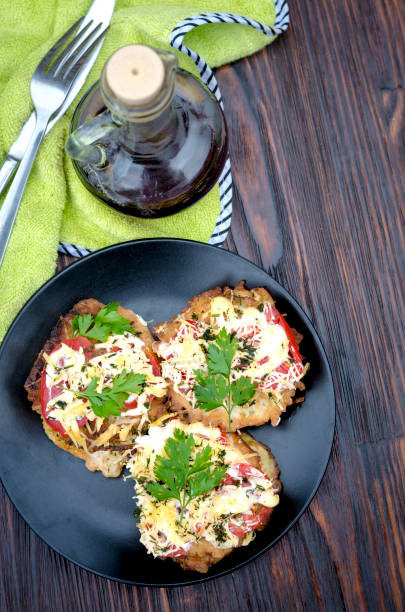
263 353
221 516
68 370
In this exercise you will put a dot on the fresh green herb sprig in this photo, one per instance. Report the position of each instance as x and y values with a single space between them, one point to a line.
110 401
180 476
107 321
214 388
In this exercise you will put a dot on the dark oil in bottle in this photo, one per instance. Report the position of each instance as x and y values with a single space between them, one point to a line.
161 166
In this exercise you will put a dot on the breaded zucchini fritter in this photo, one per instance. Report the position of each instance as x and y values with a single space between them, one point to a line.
70 363
214 523
267 354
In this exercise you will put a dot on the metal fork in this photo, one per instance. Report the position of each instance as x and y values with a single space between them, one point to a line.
50 85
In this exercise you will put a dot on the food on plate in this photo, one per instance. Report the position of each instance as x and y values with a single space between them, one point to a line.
96 383
230 359
171 409
201 492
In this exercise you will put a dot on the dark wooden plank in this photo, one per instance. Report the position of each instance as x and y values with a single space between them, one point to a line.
316 139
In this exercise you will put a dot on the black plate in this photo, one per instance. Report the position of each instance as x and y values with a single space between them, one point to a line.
88 518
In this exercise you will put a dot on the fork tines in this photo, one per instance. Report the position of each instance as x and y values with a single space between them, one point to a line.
68 62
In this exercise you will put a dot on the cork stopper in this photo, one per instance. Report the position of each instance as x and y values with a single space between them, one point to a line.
135 75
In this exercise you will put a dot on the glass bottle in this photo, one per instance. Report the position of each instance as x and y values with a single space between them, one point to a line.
148 138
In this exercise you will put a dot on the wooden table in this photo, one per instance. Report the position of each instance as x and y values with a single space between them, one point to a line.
317 144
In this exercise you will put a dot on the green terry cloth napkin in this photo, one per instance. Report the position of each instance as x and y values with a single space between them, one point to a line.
55 206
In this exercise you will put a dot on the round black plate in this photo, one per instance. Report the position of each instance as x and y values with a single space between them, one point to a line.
88 518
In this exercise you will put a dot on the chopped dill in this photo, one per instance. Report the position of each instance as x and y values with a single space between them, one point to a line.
220 532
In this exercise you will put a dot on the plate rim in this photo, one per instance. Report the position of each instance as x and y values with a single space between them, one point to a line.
301 312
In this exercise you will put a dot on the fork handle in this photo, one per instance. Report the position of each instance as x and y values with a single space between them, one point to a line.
6 171
8 211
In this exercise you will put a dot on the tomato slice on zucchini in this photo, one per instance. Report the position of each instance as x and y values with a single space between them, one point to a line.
176 552
130 405
251 520
223 439
50 393
273 316
153 361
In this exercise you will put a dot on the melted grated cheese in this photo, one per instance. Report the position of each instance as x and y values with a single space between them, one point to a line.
67 368
109 433
213 516
124 432
263 353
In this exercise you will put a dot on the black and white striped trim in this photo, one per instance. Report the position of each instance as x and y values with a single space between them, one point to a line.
70 249
282 18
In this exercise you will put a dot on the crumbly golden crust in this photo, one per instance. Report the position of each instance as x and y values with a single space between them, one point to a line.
62 443
263 408
98 460
200 305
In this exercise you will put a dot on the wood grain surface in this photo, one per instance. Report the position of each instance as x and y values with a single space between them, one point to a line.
317 137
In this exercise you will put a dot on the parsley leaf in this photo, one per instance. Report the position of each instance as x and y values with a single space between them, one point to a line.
81 324
179 476
243 389
109 317
110 401
107 321
210 390
97 332
221 354
213 389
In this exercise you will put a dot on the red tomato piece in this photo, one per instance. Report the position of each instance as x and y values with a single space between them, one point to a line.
189 378
273 316
192 323
76 344
244 470
155 365
236 530
228 480
130 405
251 520
153 361
283 368
177 552
263 513
195 326
247 471
223 439
49 393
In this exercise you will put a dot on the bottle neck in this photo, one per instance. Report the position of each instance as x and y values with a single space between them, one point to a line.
139 95
147 138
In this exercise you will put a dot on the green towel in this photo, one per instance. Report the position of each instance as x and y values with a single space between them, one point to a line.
55 206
